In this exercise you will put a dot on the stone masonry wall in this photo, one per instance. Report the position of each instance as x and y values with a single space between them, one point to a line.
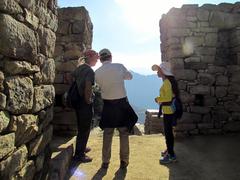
27 71
74 35
203 46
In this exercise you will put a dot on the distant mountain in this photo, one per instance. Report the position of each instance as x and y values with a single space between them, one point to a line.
141 91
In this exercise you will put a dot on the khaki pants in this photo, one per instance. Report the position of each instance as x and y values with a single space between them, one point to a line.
107 144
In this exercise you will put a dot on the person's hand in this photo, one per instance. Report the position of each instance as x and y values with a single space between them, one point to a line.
156 100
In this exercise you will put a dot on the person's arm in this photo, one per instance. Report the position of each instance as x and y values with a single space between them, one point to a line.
88 92
127 74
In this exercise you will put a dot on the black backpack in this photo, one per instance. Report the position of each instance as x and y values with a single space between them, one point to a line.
72 97
177 107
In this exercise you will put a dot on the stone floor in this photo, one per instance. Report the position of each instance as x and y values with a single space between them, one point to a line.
199 158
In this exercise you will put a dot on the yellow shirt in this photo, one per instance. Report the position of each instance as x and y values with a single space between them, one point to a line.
166 95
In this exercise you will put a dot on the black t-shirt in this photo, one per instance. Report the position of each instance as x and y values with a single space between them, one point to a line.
82 74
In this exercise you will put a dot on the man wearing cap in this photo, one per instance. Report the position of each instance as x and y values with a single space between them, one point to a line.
117 112
85 79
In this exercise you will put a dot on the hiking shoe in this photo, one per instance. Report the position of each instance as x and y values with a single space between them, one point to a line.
82 159
168 159
88 149
164 153
104 165
123 165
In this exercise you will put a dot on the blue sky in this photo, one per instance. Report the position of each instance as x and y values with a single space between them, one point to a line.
130 28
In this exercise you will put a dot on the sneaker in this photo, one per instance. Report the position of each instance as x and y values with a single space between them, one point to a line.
164 153
123 165
104 165
168 159
88 149
83 159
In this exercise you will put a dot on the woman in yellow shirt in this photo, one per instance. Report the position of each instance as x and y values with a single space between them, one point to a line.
168 91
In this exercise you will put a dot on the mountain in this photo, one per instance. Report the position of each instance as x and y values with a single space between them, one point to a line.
141 91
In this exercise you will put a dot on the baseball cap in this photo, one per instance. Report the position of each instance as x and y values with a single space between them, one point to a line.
105 52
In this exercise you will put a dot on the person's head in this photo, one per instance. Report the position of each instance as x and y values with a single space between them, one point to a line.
163 70
90 57
105 55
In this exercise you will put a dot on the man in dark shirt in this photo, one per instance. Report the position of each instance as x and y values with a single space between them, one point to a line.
85 78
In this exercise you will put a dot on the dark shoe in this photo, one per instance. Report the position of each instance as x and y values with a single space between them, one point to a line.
104 165
88 149
123 165
168 159
83 159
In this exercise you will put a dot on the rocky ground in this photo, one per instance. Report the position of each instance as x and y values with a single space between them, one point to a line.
199 158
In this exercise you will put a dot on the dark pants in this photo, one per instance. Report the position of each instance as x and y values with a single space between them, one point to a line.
84 119
168 120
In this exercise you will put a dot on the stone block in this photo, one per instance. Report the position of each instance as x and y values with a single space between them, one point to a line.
14 163
221 91
211 39
234 89
232 106
27 172
20 94
1 81
186 74
195 65
17 40
203 15
39 144
200 89
186 97
205 126
10 7
3 101
200 109
222 80
63 27
4 120
206 79
43 97
233 126
6 144
190 118
25 127
20 67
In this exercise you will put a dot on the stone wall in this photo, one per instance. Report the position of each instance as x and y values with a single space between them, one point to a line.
27 41
203 46
74 35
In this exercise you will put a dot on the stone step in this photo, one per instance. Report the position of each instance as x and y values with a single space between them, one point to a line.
62 149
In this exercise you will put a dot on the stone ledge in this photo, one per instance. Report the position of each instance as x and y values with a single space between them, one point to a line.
62 149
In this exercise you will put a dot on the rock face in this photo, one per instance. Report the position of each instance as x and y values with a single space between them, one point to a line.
74 35
27 72
203 46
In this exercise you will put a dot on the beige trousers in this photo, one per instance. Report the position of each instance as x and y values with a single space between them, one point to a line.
107 144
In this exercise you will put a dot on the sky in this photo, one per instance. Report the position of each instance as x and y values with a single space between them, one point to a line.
130 28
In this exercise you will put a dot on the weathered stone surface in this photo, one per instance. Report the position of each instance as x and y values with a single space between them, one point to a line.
10 7
1 81
20 92
38 145
192 59
14 163
20 67
200 109
60 89
203 15
234 89
216 69
221 80
26 127
200 89
47 41
6 144
206 79
195 65
29 4
235 77
4 120
17 40
46 116
232 126
190 118
187 98
3 101
27 172
47 72
31 19
68 66
211 39
40 162
186 74
221 91
43 97
208 59
63 27
185 127
232 106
